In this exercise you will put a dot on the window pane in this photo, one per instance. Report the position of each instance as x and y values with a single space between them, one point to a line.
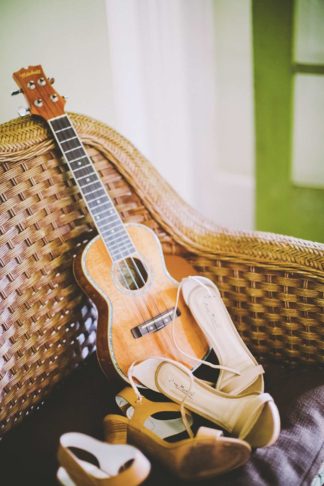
309 31
308 134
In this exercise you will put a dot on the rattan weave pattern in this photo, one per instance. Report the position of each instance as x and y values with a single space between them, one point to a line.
272 285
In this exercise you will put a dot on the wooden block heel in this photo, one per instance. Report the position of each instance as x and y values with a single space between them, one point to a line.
115 429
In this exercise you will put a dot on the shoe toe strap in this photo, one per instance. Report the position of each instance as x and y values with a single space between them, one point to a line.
238 383
253 413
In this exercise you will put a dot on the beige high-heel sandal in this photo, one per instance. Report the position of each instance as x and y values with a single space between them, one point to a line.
118 465
206 455
252 417
206 304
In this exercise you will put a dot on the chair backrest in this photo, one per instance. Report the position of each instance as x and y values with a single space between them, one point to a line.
48 325
271 284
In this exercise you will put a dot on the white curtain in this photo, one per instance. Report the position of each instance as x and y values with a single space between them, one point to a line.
181 78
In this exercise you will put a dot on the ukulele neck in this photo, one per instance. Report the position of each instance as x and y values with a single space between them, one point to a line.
103 212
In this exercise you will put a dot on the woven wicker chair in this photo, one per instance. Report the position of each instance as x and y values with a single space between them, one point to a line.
272 285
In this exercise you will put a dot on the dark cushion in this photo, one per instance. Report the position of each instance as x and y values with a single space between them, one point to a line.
297 456
28 452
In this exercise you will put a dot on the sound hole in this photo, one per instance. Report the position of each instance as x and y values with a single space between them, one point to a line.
132 274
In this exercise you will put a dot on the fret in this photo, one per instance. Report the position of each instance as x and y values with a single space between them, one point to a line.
60 123
88 177
99 218
70 144
105 215
113 224
121 249
65 134
75 137
83 171
108 219
87 182
83 166
74 154
61 129
90 188
126 245
80 163
100 205
70 150
78 160
122 254
114 238
102 208
99 193
117 242
113 232
123 245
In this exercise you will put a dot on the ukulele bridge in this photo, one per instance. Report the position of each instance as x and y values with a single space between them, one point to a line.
154 324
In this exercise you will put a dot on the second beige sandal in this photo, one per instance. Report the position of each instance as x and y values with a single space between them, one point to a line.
253 417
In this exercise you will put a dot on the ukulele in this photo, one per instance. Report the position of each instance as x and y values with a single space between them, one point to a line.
122 269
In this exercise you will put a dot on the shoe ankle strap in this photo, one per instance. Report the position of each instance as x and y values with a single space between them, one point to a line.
143 408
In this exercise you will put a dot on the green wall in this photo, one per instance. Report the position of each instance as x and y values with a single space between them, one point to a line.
281 206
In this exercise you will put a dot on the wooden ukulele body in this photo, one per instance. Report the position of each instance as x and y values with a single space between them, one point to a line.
122 312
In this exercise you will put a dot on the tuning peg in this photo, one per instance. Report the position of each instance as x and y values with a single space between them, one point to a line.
18 91
51 80
22 111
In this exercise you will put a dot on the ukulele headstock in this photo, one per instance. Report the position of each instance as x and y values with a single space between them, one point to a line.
42 98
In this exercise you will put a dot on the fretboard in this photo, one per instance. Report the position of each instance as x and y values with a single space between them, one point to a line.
99 203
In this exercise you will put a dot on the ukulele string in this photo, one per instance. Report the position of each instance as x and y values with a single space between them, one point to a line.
144 282
161 296
130 273
135 302
174 314
152 296
138 311
164 337
142 278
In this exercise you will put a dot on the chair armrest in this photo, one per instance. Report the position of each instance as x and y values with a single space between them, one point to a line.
273 287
